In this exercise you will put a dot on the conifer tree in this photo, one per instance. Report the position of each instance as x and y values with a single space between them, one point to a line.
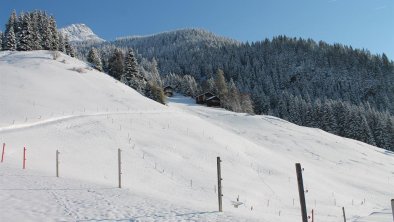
36 34
11 22
54 44
116 64
10 43
1 41
46 32
25 34
69 48
95 59
221 84
131 75
62 46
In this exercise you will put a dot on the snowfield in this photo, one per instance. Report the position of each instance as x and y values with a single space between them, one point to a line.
168 155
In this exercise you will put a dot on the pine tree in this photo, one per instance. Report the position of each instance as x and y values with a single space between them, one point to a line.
221 84
69 48
116 64
246 103
189 86
9 35
36 34
10 43
46 32
155 92
154 72
95 59
11 22
54 44
131 75
25 34
62 45
232 100
1 41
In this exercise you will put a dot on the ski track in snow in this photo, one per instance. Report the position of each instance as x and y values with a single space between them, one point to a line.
59 119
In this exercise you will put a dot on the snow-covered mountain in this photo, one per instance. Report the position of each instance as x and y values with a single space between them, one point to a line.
80 33
168 155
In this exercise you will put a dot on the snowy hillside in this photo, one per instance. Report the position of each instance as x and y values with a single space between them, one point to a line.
168 155
80 33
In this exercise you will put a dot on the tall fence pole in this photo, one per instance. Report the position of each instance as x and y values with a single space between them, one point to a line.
57 163
392 207
120 168
24 157
313 215
2 153
301 192
220 195
344 215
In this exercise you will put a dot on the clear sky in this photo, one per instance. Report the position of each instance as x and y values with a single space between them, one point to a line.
361 23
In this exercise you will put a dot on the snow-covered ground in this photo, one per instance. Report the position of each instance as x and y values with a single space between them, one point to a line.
168 155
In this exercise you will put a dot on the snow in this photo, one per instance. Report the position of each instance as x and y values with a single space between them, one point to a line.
80 33
168 155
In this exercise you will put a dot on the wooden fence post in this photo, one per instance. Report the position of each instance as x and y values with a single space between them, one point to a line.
344 215
57 163
2 153
119 168
392 207
313 215
220 195
301 192
24 157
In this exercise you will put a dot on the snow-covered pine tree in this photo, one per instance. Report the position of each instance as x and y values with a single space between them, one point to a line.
54 33
9 33
1 41
10 43
45 31
69 48
154 73
25 42
116 64
246 103
221 84
155 92
131 75
95 59
36 34
11 22
232 99
62 46
189 86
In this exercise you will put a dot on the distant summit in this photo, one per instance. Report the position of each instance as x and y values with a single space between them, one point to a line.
80 33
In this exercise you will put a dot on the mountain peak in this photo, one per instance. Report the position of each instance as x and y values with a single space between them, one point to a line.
80 33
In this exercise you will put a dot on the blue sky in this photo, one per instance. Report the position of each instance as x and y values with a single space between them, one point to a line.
361 23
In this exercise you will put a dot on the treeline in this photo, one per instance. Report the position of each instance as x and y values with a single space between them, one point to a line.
33 31
122 64
230 96
301 68
362 123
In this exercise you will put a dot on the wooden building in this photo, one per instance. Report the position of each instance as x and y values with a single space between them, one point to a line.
213 101
209 99
168 91
200 99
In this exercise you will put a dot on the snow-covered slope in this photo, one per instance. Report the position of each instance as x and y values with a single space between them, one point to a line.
168 155
80 33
